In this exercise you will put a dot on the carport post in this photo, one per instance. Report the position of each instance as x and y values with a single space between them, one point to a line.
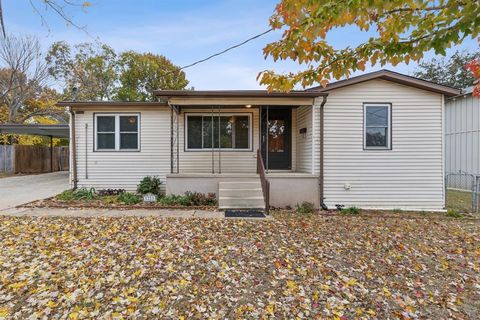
51 153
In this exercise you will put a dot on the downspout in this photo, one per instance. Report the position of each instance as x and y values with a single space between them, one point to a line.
321 175
73 149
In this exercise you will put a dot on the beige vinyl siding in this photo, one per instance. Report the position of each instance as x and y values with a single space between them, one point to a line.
303 154
124 169
231 161
408 176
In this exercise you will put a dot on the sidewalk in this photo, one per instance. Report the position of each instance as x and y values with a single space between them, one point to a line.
92 213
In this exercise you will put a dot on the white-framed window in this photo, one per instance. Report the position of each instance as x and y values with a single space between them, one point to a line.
117 132
377 126
229 131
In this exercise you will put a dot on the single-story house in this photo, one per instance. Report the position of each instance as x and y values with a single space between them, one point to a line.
372 141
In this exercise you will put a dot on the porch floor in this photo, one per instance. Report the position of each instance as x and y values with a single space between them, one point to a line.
271 174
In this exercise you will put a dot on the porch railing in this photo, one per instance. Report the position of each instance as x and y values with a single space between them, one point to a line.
263 180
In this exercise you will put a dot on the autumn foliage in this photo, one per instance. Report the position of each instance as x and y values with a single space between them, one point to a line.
401 31
474 67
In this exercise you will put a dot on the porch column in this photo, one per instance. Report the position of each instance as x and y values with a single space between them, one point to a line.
174 145
51 154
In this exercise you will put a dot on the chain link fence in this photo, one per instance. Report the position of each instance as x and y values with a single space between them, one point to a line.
462 192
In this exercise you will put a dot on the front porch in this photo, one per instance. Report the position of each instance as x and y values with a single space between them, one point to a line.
248 146
286 188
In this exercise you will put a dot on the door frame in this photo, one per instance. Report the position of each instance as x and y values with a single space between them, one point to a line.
289 140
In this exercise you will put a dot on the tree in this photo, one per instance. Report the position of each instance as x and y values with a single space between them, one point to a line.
141 73
23 73
474 67
451 72
404 30
90 68
57 6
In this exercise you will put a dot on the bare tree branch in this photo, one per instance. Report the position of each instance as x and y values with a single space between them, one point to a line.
59 7
24 73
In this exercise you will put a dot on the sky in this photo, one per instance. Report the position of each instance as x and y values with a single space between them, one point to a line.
184 31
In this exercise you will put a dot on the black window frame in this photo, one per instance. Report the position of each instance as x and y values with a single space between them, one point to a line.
215 116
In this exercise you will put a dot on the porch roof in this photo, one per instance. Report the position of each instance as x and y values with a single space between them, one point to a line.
238 97
237 93
49 130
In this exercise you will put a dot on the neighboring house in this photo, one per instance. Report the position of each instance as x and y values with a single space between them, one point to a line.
373 141
462 134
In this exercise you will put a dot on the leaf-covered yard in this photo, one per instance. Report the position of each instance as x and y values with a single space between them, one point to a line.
308 267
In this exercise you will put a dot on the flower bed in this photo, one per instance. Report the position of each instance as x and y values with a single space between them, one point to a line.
119 199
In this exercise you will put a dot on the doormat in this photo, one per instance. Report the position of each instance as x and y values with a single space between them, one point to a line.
244 214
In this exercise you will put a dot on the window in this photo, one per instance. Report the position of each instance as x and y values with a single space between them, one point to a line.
230 131
377 126
115 132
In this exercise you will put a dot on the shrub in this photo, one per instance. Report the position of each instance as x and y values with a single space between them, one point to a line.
129 198
149 185
173 200
350 210
200 199
66 195
110 192
110 199
79 194
397 210
305 207
453 214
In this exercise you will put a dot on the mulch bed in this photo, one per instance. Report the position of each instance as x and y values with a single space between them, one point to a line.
52 202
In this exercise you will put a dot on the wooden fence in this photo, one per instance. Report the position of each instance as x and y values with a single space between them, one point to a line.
32 159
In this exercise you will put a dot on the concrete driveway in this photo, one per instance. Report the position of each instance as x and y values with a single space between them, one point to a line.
18 190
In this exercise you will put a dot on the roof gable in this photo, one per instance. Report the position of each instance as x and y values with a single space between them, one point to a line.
390 76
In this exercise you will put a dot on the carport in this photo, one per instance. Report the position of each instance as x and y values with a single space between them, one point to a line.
47 130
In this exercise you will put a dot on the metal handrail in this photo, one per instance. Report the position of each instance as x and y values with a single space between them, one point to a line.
263 180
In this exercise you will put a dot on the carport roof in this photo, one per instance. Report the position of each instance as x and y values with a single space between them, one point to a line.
50 130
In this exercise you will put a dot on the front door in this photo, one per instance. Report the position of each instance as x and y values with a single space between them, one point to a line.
277 138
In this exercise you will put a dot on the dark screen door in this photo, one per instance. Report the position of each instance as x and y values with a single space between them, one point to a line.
277 138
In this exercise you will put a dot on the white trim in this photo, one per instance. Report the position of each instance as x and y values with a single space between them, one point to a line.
389 126
116 131
444 150
222 114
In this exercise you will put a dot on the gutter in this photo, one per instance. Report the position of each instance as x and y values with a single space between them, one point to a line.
321 183
73 149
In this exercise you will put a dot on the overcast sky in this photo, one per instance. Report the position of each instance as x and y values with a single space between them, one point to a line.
184 31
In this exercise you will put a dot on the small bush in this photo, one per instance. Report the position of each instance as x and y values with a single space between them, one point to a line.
129 198
110 192
174 200
110 199
149 185
66 195
396 210
453 214
200 199
79 194
305 207
350 210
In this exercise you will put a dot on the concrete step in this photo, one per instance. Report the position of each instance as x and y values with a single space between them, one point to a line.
240 185
240 195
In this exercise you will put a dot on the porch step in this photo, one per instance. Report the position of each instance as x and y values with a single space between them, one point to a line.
240 195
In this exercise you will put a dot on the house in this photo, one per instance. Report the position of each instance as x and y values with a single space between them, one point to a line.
372 141
462 133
